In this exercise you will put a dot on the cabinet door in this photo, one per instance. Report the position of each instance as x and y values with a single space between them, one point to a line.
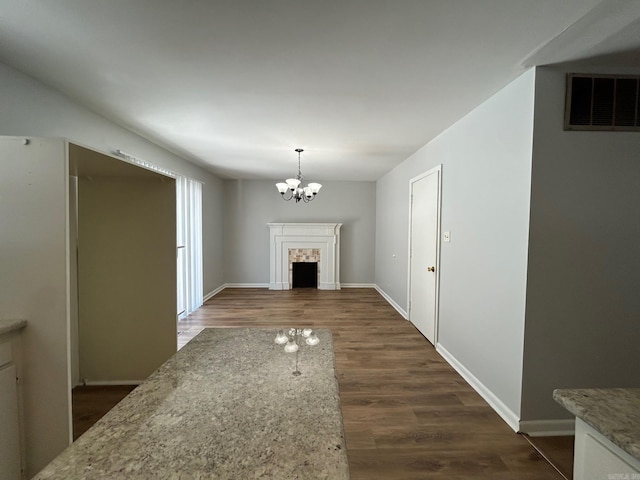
596 457
9 426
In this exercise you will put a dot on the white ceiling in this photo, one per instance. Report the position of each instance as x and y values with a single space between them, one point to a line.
236 85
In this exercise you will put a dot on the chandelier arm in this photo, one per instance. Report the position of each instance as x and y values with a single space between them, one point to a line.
295 190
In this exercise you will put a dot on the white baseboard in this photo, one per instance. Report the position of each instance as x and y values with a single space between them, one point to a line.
358 285
391 302
104 383
213 293
533 428
548 428
494 402
267 285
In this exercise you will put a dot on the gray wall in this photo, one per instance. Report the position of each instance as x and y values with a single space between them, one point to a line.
30 108
583 306
486 173
251 204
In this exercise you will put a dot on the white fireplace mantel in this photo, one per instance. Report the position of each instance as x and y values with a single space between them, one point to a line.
286 236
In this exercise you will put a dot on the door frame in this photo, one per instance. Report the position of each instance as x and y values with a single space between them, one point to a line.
436 169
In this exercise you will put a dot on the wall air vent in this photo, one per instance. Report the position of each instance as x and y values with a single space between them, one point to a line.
602 102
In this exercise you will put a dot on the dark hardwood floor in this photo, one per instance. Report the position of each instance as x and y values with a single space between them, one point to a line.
407 414
557 450
91 403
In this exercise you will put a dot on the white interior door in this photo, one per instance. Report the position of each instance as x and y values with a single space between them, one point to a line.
423 252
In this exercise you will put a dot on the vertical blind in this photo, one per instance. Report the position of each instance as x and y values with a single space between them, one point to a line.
189 238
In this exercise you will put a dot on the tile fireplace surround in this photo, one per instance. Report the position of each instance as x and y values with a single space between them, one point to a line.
319 238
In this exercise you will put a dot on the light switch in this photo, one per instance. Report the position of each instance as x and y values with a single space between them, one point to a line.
446 237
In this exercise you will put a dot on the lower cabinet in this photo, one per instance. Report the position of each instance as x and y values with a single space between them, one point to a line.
10 438
596 457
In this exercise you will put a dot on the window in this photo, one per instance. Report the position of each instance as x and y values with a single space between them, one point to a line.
189 243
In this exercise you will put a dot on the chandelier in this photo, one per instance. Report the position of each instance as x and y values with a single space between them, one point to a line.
290 338
292 185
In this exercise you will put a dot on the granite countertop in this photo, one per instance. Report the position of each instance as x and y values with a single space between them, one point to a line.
226 406
614 412
7 326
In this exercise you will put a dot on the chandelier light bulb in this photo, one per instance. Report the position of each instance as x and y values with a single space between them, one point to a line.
293 183
291 347
315 187
281 338
312 339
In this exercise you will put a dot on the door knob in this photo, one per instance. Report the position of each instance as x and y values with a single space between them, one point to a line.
431 269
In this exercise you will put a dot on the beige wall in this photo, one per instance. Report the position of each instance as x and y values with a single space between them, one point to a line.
126 276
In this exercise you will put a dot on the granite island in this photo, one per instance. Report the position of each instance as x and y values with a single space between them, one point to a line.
226 406
607 442
11 325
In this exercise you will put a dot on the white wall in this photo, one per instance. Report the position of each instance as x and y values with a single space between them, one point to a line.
251 204
34 276
486 174
30 108
583 306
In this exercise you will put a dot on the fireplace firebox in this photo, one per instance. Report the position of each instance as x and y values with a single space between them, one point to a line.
304 275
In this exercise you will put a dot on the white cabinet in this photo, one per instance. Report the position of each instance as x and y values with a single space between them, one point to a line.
10 412
597 458
9 424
